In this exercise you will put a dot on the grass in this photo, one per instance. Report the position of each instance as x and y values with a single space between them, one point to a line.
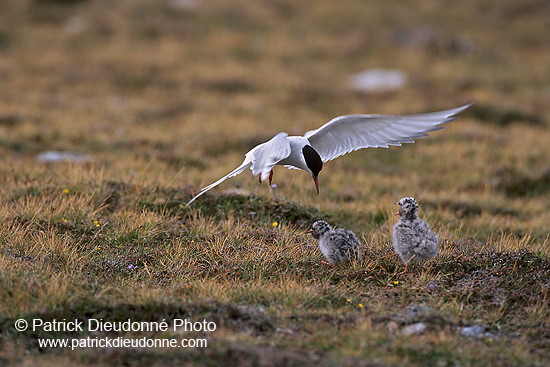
167 99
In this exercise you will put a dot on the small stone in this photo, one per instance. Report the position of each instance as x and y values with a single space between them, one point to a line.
52 156
476 331
414 329
76 24
183 4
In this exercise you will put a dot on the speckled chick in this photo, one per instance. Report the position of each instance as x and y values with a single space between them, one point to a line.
337 245
413 240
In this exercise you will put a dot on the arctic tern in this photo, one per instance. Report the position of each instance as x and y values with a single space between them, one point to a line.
341 135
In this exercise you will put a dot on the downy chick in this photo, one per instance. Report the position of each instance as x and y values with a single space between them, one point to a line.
337 245
413 240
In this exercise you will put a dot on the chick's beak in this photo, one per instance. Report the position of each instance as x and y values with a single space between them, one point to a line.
316 180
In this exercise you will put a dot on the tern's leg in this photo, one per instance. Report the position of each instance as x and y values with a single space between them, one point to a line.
404 270
407 265
270 177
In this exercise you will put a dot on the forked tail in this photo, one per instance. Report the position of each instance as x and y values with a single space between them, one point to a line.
246 164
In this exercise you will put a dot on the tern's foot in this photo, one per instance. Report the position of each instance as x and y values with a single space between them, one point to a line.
407 265
405 271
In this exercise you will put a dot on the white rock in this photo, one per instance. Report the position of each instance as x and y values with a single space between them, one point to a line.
477 332
52 156
76 24
378 80
414 329
183 4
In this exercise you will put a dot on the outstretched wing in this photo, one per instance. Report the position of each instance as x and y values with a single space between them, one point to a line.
347 133
260 160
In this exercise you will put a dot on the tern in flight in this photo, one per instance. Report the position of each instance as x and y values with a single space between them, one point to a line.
341 135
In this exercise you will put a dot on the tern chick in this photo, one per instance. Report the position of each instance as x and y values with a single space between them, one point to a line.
413 240
337 245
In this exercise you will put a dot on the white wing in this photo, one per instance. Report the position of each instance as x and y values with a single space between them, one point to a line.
347 133
260 160
265 156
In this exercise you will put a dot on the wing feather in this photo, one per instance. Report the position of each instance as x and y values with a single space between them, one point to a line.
267 155
347 133
260 160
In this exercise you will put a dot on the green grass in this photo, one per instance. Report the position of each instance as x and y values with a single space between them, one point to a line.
167 100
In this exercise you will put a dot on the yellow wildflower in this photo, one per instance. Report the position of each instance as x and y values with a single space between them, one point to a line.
65 191
275 224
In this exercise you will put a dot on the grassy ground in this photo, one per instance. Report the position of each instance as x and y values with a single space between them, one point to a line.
167 96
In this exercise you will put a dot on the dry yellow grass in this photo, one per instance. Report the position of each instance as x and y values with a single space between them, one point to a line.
167 99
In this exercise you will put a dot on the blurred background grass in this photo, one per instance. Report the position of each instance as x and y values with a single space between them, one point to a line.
164 97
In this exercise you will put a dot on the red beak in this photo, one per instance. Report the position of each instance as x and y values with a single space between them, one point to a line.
316 183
